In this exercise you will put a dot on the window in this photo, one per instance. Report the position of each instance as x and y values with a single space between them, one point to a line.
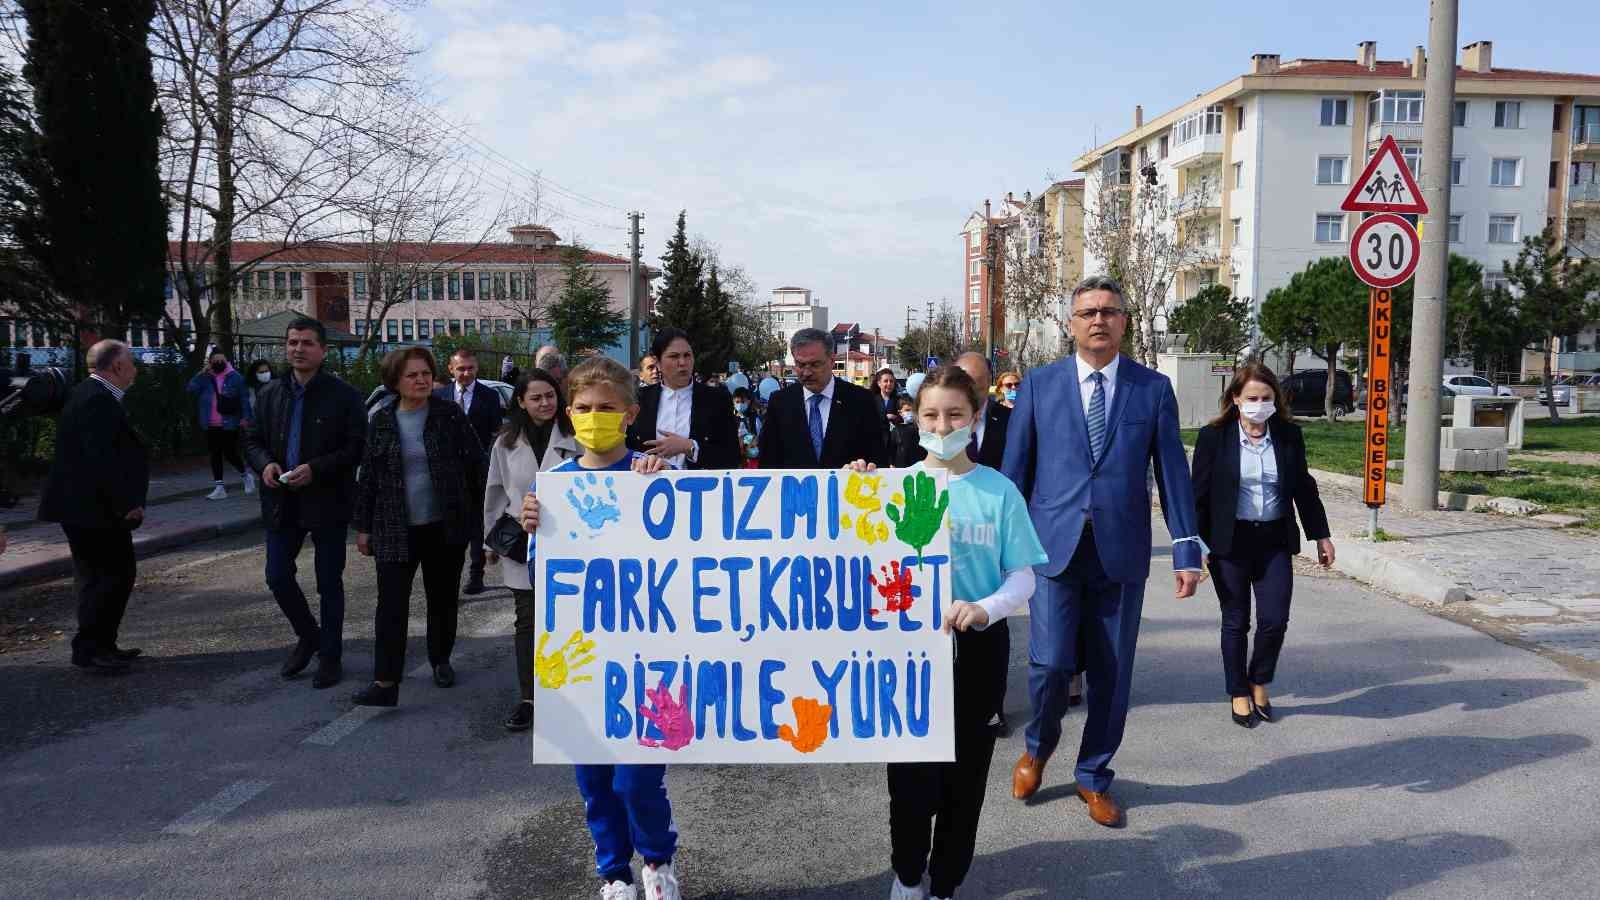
499 324
972 269
405 330
1238 174
973 296
361 328
1494 281
1508 114
1330 227
1335 111
1201 122
1238 118
1502 229
1238 232
280 285
1331 169
514 286
296 287
1454 233
454 283
499 286
438 286
485 325
471 325
1396 108
455 326
1413 157
1144 156
1505 172
1161 148
1555 124
468 284
1577 229
419 289
393 328
422 328
438 327
1459 117
358 285
1555 173
1458 170
483 286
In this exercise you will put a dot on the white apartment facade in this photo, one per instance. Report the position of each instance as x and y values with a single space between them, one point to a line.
1274 152
791 309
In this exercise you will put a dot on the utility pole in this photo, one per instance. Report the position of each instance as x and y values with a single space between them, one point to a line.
988 294
928 328
633 286
1421 489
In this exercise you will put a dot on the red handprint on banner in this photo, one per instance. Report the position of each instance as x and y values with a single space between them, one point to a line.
671 717
895 587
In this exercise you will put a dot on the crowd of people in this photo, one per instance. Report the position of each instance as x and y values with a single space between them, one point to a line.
1049 499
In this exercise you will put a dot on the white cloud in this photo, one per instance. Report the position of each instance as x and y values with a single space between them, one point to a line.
627 54
502 52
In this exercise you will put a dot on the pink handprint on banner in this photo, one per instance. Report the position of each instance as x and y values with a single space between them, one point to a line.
671 717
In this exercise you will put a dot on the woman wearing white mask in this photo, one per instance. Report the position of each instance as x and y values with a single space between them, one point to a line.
1249 467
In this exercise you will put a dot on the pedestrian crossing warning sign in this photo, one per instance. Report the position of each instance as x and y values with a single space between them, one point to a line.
1385 185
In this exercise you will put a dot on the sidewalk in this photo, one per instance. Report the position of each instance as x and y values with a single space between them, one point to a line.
1517 577
176 513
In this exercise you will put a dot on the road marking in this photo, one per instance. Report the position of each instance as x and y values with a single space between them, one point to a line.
208 560
497 625
1188 873
206 814
340 728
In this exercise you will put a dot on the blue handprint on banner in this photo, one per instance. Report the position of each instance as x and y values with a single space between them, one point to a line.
596 511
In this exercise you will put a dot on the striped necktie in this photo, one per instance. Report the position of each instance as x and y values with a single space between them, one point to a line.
1097 416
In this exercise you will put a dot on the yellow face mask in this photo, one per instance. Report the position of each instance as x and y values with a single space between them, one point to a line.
598 431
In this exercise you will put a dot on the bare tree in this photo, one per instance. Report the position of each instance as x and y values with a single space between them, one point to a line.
1035 290
1145 234
274 108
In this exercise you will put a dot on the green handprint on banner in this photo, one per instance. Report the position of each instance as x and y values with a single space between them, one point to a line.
918 511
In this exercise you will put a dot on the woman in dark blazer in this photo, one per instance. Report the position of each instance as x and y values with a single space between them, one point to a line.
1249 477
418 502
688 424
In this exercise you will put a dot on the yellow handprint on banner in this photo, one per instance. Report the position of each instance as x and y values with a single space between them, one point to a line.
561 667
861 492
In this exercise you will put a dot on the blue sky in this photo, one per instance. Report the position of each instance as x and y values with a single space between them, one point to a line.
840 146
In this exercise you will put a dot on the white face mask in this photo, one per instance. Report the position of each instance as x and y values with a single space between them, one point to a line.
263 377
1257 411
946 447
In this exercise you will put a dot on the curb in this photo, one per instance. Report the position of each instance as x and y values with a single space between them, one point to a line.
1447 499
153 545
1405 577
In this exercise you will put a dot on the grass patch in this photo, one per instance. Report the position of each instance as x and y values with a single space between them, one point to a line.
1563 434
1383 537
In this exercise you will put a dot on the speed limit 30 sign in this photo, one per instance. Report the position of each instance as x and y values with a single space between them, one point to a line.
1384 250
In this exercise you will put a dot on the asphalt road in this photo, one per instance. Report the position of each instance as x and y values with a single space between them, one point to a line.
1414 756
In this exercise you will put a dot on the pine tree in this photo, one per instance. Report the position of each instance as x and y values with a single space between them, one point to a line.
21 281
1552 293
581 317
100 229
679 300
713 347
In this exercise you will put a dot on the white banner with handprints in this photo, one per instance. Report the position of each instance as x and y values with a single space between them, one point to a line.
742 617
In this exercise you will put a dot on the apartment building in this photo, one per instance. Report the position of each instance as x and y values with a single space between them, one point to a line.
791 309
983 269
1258 166
445 288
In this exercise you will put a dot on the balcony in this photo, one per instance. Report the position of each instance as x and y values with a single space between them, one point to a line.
1586 140
1402 132
1585 193
1206 148
1198 204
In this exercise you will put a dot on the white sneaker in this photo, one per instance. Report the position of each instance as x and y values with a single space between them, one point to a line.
249 483
661 883
617 890
218 493
901 892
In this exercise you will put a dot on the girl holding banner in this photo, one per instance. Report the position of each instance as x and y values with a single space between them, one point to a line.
994 549
626 805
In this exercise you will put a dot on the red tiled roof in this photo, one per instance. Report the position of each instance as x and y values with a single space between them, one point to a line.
351 253
1391 68
844 327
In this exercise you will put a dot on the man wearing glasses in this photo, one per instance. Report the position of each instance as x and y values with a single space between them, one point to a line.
1082 436
822 422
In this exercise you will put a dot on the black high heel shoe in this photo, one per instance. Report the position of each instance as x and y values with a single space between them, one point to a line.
1263 710
1245 720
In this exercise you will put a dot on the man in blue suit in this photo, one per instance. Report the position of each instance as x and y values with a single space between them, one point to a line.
1082 436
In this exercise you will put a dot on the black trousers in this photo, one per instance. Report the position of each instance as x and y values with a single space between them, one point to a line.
524 639
999 665
441 584
1258 561
223 444
102 559
934 807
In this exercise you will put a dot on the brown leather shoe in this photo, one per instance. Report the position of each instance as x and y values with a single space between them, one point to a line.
1102 808
1026 775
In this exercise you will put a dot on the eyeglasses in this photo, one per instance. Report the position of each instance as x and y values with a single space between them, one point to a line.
1104 312
808 366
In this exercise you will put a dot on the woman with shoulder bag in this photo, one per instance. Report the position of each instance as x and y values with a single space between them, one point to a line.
222 402
1250 476
536 437
418 502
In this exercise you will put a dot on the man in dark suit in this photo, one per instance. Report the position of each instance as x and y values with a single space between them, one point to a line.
484 413
689 425
822 422
96 491
1084 433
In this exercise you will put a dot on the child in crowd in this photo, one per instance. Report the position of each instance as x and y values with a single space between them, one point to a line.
903 437
744 409
994 549
626 805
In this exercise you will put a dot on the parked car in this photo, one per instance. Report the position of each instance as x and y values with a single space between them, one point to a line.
1474 386
1306 390
1563 394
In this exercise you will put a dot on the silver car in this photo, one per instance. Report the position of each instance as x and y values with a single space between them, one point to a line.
1474 386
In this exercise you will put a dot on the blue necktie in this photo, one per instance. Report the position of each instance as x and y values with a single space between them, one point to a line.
1097 416
815 421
